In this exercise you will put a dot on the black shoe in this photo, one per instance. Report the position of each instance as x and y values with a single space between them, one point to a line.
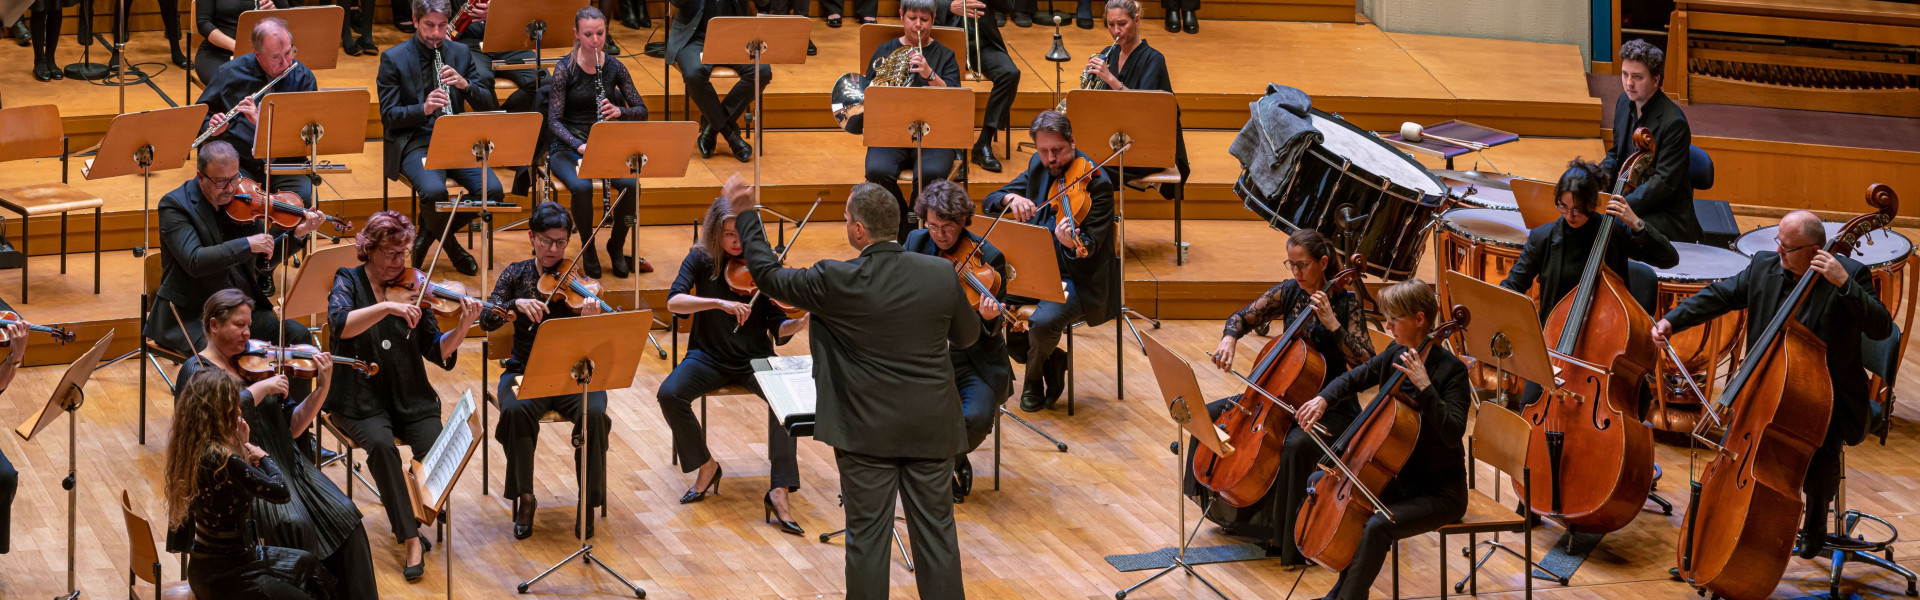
868 20
179 58
590 262
741 150
351 47
612 47
588 517
1055 376
405 27
786 527
811 50
617 260
704 143
1022 19
23 36
962 479
713 487
1031 401
1083 23
1809 544
1173 21
463 261
415 571
629 16
1193 23
327 456
366 46
42 72
646 20
983 156
999 19
833 22
523 516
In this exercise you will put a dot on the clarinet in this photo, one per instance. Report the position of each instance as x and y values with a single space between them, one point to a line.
600 97
437 64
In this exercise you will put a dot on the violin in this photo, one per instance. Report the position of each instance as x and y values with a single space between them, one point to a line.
977 278
741 282
263 360
1595 453
1071 201
1020 318
1743 514
579 290
1288 369
1375 447
252 203
8 318
443 298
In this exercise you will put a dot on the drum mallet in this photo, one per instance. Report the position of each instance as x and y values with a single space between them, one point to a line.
1414 133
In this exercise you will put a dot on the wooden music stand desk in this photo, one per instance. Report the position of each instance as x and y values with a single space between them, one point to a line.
66 398
638 149
1505 329
315 29
1536 202
759 40
482 140
286 117
514 25
1188 410
1033 266
140 143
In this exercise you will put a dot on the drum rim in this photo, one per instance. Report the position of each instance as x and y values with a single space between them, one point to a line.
1742 260
1447 225
1892 262
1375 139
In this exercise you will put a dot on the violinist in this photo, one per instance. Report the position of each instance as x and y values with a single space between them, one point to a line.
727 334
1136 65
1336 330
370 319
930 64
317 517
981 372
233 87
1084 246
9 477
1431 489
1842 315
548 230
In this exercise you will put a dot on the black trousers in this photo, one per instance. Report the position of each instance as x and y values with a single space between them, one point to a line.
696 375
1082 9
925 487
526 96
376 436
999 68
352 567
790 7
169 14
45 23
1050 320
885 164
1180 4
861 8
431 186
1822 482
9 484
721 114
980 401
519 433
1414 514
206 60
565 164
358 25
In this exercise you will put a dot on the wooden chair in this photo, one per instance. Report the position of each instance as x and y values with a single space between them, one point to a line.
30 132
1498 438
326 422
143 560
150 350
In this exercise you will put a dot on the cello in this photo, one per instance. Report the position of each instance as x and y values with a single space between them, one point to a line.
1287 372
1371 453
1597 455
1744 510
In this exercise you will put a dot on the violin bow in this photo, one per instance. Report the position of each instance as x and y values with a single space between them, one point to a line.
574 263
983 238
1083 176
783 253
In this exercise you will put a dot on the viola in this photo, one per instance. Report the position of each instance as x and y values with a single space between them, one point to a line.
263 360
1020 318
1072 200
8 318
1289 369
1743 514
741 282
977 278
1594 452
1337 506
579 290
283 209
443 298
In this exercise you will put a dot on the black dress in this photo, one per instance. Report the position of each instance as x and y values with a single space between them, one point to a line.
1146 69
226 562
318 518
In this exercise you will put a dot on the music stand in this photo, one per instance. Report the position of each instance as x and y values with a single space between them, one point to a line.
760 40
67 397
1536 202
920 118
135 143
314 28
584 355
1188 410
425 510
1136 125
1507 330
523 26
482 141
1033 271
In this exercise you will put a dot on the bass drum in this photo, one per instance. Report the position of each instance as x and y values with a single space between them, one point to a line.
1362 193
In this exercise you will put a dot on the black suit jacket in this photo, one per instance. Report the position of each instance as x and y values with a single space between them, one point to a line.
989 33
1665 199
687 15
881 328
1558 267
988 356
1096 278
1439 460
1838 316
196 260
404 86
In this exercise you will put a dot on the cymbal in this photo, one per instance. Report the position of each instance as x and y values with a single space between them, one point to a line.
1490 180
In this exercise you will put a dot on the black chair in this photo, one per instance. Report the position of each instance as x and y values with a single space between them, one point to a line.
1699 168
1882 358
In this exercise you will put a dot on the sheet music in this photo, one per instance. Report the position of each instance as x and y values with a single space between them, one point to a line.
790 392
791 363
444 459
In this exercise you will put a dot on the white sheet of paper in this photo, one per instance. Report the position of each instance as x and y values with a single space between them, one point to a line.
444 458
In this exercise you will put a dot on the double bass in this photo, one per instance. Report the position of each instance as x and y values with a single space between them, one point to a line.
1595 453
1371 453
1289 369
1744 511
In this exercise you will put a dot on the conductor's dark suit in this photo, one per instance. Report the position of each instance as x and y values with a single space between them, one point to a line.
404 81
882 325
1665 199
202 253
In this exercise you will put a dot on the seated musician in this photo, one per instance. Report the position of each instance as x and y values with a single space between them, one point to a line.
1092 278
370 320
317 518
990 59
523 97
727 334
1336 330
421 80
981 371
218 22
1139 66
1431 489
931 65
9 478
686 41
233 86
1841 315
1666 198
519 429
590 86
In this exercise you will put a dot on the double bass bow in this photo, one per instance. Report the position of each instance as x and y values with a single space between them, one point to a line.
1595 452
1743 513
1287 373
1370 453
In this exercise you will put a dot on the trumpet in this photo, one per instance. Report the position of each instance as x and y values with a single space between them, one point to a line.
256 96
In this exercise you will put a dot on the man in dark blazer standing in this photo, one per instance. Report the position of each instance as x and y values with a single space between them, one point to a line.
413 96
1664 199
685 42
1842 314
882 324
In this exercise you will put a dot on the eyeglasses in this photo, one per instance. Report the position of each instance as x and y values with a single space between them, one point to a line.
392 253
548 242
1299 265
1785 250
220 184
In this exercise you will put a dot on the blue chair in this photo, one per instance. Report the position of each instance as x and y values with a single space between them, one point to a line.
1699 168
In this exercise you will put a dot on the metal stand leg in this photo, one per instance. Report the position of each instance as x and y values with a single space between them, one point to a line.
583 516
1180 529
1057 444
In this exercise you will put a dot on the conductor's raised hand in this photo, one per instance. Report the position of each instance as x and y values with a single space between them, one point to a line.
739 194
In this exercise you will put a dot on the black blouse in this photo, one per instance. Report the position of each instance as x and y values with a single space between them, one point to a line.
518 281
713 330
222 509
1341 350
572 113
401 388
224 15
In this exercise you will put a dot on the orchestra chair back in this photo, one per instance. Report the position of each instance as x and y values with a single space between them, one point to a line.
151 351
143 558
1849 543
35 132
1498 437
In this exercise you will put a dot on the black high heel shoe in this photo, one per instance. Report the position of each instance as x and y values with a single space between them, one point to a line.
415 571
523 512
713 487
786 527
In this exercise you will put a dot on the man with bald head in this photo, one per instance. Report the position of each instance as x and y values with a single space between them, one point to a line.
1840 311
240 78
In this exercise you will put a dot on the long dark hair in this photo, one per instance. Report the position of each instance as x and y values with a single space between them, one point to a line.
1583 180
1317 246
712 229
205 411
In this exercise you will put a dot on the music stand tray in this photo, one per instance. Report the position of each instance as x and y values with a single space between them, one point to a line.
623 149
314 28
482 140
782 39
1032 263
944 114
1188 411
343 111
66 398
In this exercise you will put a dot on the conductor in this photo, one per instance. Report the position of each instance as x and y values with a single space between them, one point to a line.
886 399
